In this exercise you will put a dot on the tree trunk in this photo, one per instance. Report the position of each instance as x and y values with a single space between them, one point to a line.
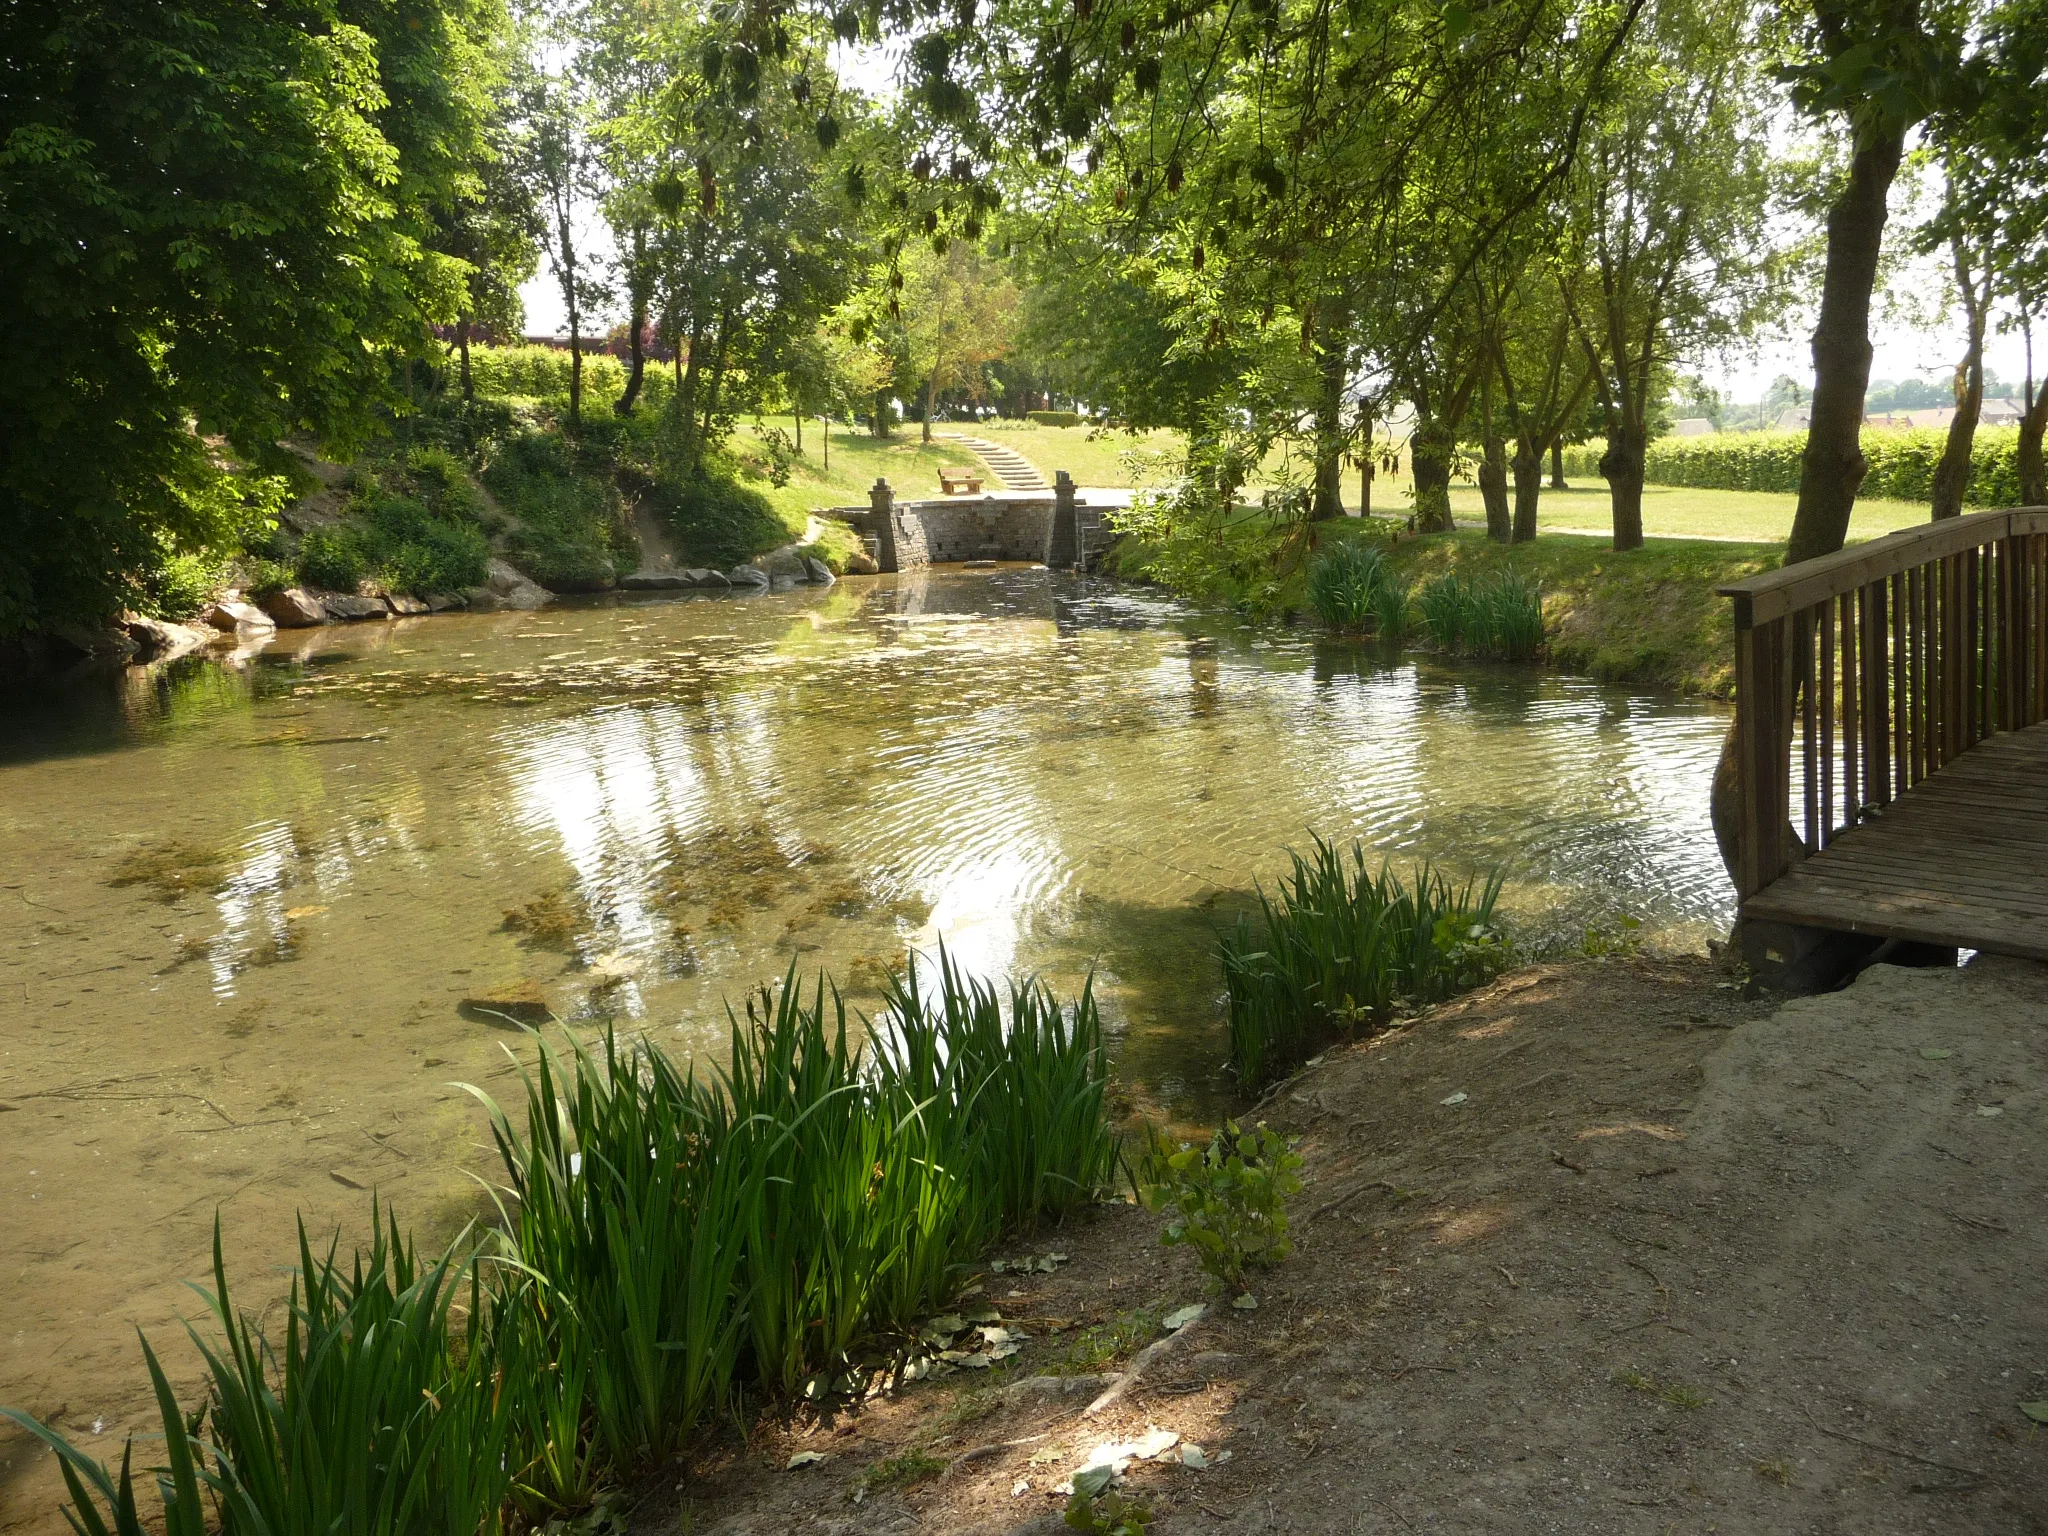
1493 474
879 427
462 346
1429 464
686 394
1557 464
1952 473
1833 466
825 426
1528 468
2033 474
1332 354
1621 466
796 415
640 285
931 395
717 380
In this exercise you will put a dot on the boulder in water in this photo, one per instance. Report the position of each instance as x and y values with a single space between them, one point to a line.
294 608
820 574
231 614
862 564
523 1002
747 576
406 605
350 608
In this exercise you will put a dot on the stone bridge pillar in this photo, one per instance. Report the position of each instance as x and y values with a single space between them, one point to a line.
1063 548
882 510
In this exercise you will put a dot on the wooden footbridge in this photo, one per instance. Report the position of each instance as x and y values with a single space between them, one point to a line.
1891 760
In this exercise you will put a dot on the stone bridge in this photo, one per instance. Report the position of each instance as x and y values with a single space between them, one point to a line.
1055 528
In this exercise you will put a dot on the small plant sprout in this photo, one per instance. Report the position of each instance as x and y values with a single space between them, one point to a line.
1226 1200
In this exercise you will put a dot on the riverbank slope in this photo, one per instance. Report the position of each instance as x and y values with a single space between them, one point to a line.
1602 1245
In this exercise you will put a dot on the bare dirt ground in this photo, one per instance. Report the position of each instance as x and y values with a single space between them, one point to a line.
1674 1263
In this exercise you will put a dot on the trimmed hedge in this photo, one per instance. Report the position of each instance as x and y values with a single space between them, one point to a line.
543 373
1055 418
1901 463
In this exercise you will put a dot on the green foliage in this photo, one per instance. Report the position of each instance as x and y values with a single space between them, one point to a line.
835 545
1342 947
334 558
780 450
1186 539
217 217
718 521
179 587
692 1236
570 528
1055 418
1228 1199
1901 463
1101 1511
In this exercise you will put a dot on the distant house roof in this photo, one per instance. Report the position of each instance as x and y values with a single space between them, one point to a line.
1691 426
1794 418
2002 412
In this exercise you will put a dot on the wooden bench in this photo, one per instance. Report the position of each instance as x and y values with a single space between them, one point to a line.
953 480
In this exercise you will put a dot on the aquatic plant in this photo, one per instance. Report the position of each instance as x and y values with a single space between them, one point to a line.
1344 583
1340 945
1442 605
385 1411
1499 615
666 1245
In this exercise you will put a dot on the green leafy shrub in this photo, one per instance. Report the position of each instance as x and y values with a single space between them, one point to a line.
571 532
1390 609
1341 946
262 576
1901 462
1228 1200
1055 418
334 558
717 520
779 449
1096 1508
179 586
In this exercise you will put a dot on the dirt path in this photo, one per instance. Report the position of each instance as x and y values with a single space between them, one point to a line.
1673 1262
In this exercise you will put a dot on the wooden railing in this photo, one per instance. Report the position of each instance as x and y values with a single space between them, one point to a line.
1873 667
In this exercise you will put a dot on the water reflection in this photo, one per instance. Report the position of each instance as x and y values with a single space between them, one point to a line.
1048 774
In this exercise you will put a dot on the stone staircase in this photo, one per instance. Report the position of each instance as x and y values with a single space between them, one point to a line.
1010 466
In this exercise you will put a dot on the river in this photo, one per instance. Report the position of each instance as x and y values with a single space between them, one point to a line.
244 901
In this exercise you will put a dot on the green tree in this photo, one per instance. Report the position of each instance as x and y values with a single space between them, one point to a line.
215 238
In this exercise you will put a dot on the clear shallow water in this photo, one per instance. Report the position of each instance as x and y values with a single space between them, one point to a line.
322 840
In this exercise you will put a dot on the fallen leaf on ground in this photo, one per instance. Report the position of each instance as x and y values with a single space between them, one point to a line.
804 1459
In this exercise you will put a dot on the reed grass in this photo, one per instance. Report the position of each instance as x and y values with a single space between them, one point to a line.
668 1246
1339 945
380 1414
1498 615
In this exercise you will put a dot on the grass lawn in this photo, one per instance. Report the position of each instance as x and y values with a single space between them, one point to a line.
858 460
1091 458
1678 512
1650 616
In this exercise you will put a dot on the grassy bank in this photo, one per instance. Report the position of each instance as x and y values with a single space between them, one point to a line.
1650 616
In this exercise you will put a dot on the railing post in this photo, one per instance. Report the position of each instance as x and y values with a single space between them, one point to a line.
1762 751
882 509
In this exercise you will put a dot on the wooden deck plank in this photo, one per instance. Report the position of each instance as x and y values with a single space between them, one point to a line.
1961 858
